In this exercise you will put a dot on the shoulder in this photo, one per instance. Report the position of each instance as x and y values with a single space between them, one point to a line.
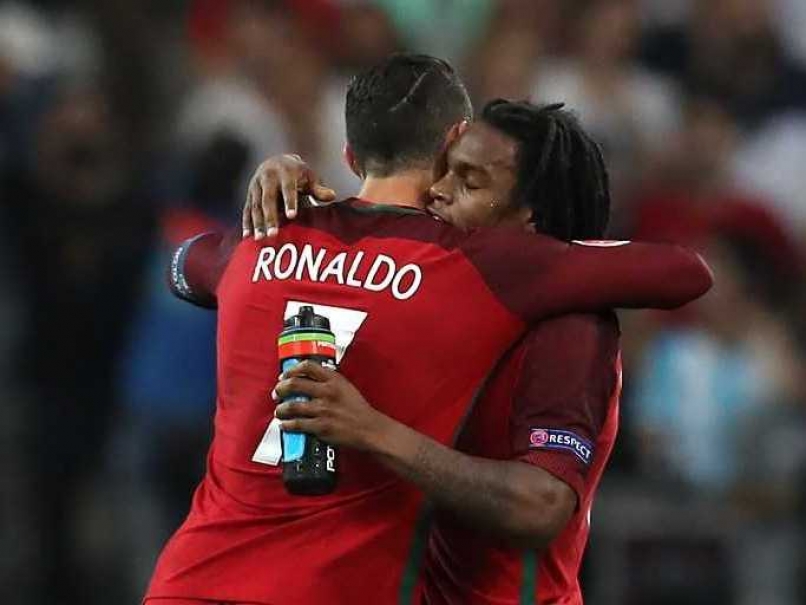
566 384
571 356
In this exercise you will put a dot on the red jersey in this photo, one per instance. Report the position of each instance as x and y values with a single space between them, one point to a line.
552 403
411 297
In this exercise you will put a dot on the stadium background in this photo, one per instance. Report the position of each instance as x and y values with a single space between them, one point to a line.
127 125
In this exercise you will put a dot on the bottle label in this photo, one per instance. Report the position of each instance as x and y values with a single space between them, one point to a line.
306 344
293 443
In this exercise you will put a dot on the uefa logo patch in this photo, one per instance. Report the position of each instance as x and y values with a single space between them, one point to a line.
557 439
538 438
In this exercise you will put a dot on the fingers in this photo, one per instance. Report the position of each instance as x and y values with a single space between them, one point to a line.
322 193
303 417
310 426
269 202
246 219
252 219
287 176
300 386
256 211
290 187
309 369
300 409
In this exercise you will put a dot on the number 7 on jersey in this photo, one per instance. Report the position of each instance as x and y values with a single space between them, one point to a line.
344 323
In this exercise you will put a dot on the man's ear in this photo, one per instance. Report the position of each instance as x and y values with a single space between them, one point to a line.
453 134
349 158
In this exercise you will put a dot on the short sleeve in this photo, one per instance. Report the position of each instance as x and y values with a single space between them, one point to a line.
196 268
567 381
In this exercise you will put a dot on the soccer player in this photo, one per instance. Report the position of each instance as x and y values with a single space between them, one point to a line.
505 531
409 290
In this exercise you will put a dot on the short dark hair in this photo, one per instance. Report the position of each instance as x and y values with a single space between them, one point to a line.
399 111
561 174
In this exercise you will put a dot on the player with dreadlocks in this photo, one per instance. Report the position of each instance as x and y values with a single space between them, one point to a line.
553 402
514 496
561 174
552 168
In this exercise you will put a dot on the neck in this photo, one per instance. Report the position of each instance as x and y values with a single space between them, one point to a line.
402 189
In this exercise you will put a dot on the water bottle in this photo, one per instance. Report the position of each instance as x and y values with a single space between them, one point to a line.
309 464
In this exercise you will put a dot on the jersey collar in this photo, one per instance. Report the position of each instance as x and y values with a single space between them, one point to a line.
371 207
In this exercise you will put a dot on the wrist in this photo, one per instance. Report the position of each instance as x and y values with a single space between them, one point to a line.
383 435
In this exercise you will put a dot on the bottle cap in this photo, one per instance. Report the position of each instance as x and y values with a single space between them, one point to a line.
307 318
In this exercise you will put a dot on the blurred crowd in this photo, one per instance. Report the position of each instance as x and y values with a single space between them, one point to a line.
127 126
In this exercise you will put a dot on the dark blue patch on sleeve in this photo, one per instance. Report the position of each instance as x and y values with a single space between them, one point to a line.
558 439
176 272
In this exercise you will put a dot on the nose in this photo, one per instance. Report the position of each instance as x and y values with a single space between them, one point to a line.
440 192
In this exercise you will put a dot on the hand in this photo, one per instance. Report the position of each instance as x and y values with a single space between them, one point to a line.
337 412
281 177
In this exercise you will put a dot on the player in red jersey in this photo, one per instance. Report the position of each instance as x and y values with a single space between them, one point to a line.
387 273
552 403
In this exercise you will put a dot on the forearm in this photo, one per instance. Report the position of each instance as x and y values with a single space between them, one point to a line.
633 275
513 500
491 494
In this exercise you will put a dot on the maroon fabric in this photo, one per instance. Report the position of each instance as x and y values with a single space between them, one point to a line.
183 602
576 277
534 276
566 380
197 265
245 538
188 602
564 375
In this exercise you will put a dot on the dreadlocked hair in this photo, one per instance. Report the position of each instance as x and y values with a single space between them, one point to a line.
561 174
